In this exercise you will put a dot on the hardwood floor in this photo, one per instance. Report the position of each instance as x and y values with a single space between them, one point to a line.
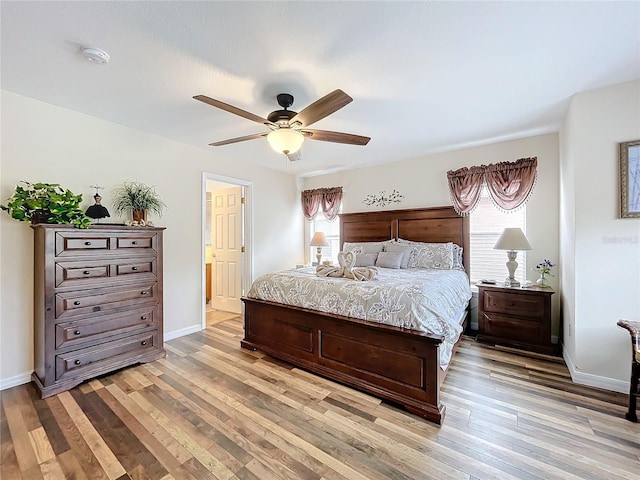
214 410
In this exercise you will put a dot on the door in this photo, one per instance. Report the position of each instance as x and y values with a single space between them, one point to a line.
227 249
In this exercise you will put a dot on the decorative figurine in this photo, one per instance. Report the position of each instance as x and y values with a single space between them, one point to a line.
97 211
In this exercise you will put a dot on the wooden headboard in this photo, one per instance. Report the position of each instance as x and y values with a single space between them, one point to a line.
429 225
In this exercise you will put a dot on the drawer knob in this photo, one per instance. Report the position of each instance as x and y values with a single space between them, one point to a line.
86 272
76 302
77 362
134 268
143 343
77 332
512 304
87 243
134 242
144 317
144 292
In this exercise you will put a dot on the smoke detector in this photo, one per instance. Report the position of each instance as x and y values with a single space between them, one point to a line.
96 55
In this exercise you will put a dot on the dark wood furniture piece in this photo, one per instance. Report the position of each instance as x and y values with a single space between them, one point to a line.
516 317
396 364
634 391
97 302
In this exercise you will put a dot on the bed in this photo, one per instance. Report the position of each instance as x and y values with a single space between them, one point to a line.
401 365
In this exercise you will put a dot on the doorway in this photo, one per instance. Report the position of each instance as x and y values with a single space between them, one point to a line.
226 228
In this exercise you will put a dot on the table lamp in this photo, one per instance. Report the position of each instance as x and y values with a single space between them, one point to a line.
319 240
512 240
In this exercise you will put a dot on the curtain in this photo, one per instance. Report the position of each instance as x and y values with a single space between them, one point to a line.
311 200
329 199
465 185
509 184
331 202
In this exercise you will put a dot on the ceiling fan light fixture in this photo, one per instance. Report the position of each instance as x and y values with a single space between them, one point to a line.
285 140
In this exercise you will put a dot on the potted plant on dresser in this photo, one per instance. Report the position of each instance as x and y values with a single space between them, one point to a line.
137 199
45 203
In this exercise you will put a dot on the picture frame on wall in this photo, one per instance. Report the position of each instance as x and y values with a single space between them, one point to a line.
630 179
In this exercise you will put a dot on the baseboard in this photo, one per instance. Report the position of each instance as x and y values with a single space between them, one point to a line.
15 381
590 380
182 332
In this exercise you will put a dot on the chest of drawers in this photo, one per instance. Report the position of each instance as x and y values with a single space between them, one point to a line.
517 317
97 302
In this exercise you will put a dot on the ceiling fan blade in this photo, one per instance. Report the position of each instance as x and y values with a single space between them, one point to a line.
232 109
294 157
238 139
336 137
321 108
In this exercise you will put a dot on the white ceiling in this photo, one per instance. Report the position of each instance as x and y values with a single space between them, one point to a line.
425 76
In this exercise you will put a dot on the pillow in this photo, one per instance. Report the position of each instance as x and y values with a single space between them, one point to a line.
366 259
389 259
457 257
362 247
432 255
406 250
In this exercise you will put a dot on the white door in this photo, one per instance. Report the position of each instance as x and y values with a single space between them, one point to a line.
227 250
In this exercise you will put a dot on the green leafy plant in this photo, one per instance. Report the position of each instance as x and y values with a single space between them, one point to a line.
45 203
136 196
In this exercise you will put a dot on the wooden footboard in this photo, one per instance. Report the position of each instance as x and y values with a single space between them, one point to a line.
392 363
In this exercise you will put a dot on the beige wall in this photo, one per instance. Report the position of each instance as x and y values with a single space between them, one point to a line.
603 250
423 182
42 142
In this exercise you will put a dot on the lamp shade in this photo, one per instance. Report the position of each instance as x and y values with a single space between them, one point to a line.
285 140
512 239
319 240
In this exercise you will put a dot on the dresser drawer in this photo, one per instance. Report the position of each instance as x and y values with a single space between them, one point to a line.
84 273
87 242
92 329
515 329
515 303
105 356
106 299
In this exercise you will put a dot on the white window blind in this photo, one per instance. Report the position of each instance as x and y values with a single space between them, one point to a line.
332 232
486 224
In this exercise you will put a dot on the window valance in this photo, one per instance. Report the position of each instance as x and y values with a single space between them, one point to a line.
327 199
509 184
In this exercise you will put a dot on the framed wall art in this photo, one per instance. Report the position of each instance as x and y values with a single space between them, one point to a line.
630 179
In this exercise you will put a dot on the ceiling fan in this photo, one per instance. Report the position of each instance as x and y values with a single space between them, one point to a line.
288 129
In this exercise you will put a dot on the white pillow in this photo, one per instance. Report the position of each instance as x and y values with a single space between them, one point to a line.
406 250
389 259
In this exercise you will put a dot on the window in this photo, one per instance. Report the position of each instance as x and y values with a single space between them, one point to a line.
486 224
331 231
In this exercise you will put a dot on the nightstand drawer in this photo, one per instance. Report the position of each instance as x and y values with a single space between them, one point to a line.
515 329
517 304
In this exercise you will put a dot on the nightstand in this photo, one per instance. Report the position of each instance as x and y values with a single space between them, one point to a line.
516 317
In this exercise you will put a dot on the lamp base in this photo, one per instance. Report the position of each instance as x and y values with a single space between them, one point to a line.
511 282
511 267
319 255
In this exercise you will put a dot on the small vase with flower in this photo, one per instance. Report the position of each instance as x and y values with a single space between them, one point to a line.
544 269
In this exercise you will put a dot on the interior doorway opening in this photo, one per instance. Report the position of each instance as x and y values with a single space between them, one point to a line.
226 246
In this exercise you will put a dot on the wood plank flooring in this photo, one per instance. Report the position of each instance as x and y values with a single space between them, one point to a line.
212 410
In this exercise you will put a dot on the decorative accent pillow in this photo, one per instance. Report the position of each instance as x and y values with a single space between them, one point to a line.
406 250
433 255
457 257
366 259
366 247
363 247
389 259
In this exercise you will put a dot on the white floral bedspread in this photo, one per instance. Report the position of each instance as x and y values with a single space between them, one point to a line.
418 299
